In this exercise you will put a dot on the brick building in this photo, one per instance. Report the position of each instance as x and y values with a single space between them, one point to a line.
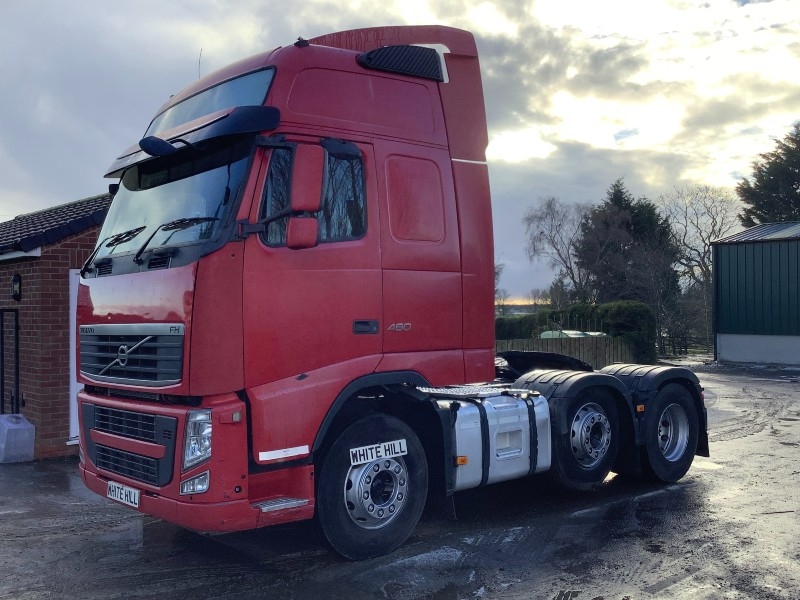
40 257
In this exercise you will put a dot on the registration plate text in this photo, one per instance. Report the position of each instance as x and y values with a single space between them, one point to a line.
123 493
364 454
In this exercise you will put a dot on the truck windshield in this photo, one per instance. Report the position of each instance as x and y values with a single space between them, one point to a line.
194 188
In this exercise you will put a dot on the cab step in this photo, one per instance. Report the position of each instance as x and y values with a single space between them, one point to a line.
280 504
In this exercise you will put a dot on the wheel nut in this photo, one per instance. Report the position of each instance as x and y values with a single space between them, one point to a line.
366 495
370 508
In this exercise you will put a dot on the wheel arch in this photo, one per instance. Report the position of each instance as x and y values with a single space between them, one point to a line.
646 381
558 385
396 394
346 404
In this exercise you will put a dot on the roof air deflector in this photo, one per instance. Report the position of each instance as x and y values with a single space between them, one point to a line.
416 61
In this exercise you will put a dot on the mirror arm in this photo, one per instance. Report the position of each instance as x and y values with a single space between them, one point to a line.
245 228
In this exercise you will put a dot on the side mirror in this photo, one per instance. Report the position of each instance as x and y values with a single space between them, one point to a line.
302 232
307 179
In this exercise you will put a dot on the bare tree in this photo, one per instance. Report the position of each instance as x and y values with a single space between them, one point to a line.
553 227
538 297
501 295
498 273
699 214
501 298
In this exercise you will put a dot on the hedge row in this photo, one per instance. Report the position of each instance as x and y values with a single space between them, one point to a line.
633 321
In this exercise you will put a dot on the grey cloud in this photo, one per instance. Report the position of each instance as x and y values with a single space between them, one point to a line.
754 98
605 72
520 76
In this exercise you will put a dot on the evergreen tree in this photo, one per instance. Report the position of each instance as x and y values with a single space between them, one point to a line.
630 252
772 194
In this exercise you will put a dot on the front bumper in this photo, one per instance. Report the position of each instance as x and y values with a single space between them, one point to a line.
233 515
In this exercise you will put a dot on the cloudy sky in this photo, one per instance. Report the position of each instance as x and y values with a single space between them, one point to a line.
578 92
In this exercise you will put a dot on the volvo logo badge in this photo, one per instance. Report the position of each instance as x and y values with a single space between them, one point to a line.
123 353
122 356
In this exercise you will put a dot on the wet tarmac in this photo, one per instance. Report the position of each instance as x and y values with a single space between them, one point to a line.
730 529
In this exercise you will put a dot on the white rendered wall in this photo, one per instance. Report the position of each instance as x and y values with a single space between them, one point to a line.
764 349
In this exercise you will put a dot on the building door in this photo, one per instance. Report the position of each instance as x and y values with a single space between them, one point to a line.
9 360
74 278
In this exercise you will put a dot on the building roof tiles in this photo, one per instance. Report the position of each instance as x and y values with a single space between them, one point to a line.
50 225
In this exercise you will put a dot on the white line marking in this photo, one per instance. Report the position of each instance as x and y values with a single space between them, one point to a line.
283 453
469 162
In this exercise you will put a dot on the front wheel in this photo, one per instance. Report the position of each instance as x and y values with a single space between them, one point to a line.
671 432
372 487
583 456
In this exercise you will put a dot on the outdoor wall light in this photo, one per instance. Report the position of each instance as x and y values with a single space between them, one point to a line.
16 287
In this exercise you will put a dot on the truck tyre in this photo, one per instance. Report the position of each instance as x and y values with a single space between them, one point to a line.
370 508
671 432
583 456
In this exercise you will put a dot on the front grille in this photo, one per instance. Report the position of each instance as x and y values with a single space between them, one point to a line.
143 427
148 354
133 466
125 423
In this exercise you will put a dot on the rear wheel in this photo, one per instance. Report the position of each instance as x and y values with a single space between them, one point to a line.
583 456
671 432
370 508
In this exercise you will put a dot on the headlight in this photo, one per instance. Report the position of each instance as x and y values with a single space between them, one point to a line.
197 444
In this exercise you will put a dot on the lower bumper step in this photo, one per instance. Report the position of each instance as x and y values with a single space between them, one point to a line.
280 504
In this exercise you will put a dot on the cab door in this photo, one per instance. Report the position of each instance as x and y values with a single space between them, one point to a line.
311 314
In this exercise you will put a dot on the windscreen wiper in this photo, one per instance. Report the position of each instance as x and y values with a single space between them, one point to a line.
111 241
125 236
174 226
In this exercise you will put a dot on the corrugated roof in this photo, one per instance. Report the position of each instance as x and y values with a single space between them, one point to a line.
26 232
765 232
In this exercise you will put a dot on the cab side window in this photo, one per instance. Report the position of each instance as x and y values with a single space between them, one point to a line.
276 195
342 215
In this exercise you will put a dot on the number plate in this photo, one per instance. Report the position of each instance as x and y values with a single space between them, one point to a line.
364 454
123 493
